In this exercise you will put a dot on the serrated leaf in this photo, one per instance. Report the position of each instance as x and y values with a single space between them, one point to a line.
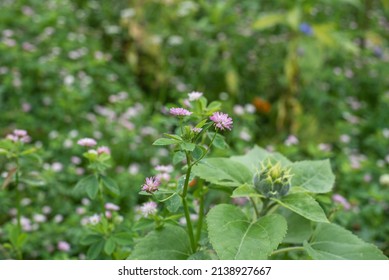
89 184
109 246
223 172
299 228
169 243
332 242
235 237
165 141
110 185
315 176
95 250
304 205
268 20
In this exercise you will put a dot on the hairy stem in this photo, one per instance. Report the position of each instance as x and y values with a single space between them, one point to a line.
255 208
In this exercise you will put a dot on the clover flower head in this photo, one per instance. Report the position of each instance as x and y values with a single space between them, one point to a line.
19 135
111 206
151 185
337 198
63 246
194 95
103 150
222 121
179 112
87 142
164 168
148 208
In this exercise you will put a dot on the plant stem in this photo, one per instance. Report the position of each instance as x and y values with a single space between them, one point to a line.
101 198
288 249
201 213
255 208
18 198
185 204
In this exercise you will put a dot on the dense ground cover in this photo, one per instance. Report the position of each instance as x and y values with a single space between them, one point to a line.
306 79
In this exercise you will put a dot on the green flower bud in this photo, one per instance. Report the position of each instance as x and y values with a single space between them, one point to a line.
272 181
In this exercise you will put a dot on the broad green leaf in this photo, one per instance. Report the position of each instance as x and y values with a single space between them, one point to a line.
89 184
299 228
223 171
169 243
109 246
269 20
198 152
174 203
165 141
123 238
219 141
304 205
214 106
245 191
110 185
187 146
235 237
332 242
178 157
256 155
315 176
95 249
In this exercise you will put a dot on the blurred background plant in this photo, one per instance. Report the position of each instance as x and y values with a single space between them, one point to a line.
306 78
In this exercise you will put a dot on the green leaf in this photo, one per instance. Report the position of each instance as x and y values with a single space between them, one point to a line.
235 237
304 205
223 171
214 106
268 20
299 228
91 238
123 238
187 146
168 243
95 249
332 242
110 185
315 176
89 184
178 157
219 141
173 136
256 155
109 246
245 191
165 141
174 203
198 152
